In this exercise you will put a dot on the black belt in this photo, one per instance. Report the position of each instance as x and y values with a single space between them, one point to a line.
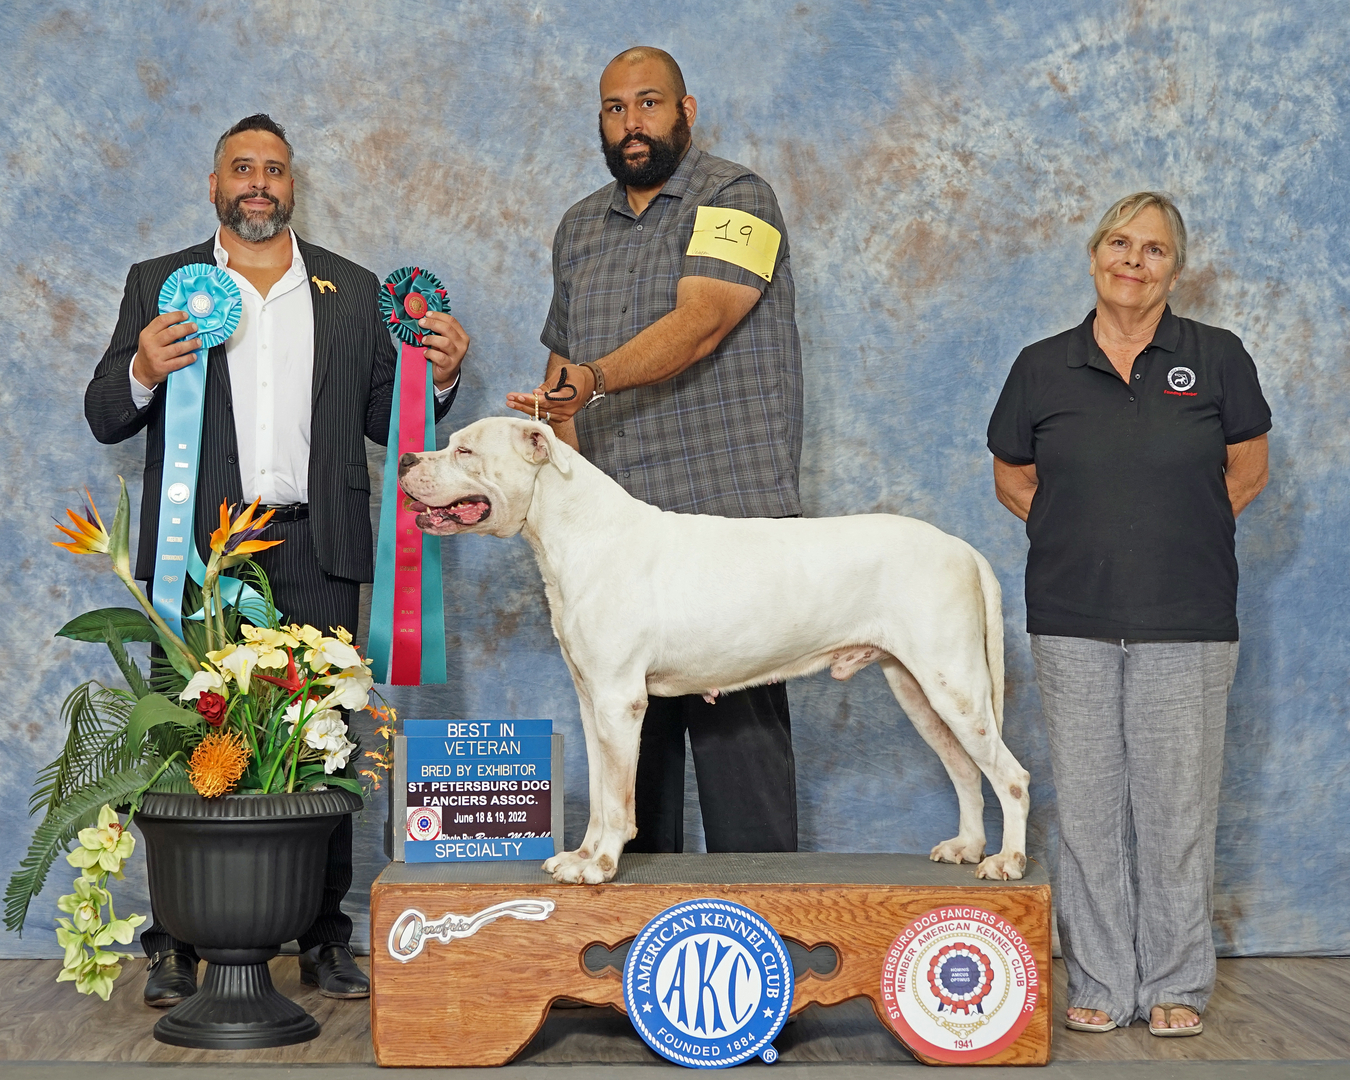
289 512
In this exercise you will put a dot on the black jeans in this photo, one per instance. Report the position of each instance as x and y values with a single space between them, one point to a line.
747 783
303 594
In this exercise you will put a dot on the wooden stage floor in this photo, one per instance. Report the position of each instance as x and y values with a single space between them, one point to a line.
1278 1017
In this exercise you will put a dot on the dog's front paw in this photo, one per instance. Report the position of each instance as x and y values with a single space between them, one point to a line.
958 850
1005 866
575 868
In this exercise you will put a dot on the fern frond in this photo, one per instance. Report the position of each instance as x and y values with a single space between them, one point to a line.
77 811
96 718
164 679
130 671
253 574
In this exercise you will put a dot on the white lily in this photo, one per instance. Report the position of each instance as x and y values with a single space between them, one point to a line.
238 660
350 688
330 652
204 681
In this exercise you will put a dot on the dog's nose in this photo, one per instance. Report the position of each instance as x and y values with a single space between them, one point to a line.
406 462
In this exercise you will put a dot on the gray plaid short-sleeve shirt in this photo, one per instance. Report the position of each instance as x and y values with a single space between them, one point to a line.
725 435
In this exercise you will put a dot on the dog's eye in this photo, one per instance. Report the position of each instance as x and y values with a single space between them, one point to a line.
463 450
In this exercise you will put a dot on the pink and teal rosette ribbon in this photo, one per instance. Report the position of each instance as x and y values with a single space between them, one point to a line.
407 613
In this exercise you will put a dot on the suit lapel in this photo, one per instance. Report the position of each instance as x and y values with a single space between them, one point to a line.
317 266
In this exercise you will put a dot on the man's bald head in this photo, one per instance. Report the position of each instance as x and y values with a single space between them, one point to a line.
639 53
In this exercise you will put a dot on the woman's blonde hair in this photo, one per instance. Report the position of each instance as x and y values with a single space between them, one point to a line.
1127 209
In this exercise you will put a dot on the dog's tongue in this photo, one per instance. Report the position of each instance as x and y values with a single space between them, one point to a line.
468 512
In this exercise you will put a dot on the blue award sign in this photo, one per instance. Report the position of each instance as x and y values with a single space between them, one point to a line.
708 984
478 790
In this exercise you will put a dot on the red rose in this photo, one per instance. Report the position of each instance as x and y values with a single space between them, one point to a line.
211 706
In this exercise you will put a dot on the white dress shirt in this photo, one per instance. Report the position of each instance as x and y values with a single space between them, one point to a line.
271 356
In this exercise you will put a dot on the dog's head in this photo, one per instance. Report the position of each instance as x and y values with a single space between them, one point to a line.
483 481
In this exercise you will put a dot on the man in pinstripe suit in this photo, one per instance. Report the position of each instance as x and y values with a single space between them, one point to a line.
290 399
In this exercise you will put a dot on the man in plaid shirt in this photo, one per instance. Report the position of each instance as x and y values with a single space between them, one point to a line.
674 366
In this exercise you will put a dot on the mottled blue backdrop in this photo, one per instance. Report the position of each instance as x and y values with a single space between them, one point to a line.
940 165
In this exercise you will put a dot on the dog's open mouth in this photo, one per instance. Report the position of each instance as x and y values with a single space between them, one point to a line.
461 514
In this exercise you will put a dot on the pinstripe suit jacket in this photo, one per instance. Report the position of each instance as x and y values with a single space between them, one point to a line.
353 389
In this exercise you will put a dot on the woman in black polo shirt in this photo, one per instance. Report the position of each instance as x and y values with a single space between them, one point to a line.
1129 445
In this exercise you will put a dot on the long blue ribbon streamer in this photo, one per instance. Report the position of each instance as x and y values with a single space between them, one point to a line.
233 593
184 400
212 300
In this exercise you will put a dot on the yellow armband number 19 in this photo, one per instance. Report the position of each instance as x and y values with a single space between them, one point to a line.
735 237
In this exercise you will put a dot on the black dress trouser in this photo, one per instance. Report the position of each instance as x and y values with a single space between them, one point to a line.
303 593
747 783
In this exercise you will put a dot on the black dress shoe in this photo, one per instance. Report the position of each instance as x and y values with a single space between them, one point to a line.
333 970
171 977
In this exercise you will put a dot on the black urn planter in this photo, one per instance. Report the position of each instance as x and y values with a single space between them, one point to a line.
236 876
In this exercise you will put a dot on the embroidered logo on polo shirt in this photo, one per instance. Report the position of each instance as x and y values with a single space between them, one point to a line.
1181 380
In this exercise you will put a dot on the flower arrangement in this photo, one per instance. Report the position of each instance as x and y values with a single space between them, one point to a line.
238 703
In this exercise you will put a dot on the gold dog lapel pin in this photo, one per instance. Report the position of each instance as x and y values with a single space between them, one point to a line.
323 284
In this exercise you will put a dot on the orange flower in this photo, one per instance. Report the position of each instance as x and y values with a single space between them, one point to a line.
218 763
92 536
239 537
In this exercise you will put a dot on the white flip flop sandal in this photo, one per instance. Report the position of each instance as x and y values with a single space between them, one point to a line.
1094 1029
1167 1032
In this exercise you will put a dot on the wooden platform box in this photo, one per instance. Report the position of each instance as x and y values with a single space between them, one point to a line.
454 986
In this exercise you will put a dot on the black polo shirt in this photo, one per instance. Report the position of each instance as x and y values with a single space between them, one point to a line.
1131 527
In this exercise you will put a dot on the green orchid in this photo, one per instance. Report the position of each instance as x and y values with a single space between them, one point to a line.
85 936
85 904
96 974
118 930
72 941
106 845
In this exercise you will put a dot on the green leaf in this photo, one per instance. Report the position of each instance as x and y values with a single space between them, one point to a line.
119 543
130 671
129 623
344 782
153 710
77 811
175 655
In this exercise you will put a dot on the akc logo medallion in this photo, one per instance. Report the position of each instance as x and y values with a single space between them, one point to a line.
424 823
959 984
708 984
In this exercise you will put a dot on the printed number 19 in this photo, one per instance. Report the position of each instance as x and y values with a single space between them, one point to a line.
745 230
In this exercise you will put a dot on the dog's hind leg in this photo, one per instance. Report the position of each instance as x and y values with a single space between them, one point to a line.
965 704
968 843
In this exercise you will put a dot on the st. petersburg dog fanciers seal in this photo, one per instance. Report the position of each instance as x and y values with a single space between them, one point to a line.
959 984
708 984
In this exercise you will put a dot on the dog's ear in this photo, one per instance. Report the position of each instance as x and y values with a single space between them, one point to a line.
539 444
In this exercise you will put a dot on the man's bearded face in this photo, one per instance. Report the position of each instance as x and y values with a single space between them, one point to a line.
253 225
656 166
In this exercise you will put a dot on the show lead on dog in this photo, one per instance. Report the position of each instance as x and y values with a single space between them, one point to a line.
1129 445
290 399
674 365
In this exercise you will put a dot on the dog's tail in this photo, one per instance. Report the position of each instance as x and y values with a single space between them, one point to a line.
993 632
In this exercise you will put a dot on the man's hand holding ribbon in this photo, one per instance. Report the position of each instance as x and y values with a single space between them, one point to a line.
165 345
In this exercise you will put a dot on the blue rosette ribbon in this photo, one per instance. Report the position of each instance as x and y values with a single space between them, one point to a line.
407 640
213 302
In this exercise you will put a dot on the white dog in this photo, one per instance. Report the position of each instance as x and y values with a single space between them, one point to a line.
649 602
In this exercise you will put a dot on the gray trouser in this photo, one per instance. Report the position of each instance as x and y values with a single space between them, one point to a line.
1136 745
